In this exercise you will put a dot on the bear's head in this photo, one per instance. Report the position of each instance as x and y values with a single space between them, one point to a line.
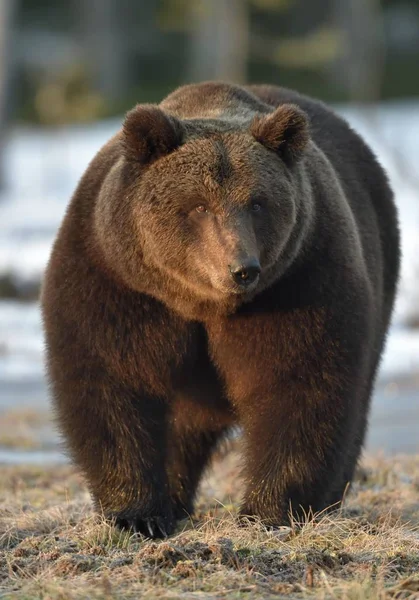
209 207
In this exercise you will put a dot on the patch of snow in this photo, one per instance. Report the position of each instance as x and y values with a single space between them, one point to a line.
21 341
32 457
42 171
401 356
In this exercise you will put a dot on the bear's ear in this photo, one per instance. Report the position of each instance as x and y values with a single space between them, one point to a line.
285 131
148 133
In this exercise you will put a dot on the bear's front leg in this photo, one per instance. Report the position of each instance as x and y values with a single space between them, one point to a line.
111 370
140 497
117 435
299 390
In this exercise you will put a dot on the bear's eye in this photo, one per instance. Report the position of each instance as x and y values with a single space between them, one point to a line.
201 208
256 207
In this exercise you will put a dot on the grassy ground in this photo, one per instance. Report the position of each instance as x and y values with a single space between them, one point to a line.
27 429
52 546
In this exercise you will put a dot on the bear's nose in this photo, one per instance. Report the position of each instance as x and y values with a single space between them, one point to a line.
245 272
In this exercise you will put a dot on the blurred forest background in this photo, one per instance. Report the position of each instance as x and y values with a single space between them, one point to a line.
74 60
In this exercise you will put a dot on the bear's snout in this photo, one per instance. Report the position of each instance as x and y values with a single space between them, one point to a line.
246 271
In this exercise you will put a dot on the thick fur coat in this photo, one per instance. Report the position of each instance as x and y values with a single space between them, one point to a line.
229 257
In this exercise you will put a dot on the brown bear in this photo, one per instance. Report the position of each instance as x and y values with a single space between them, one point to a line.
230 257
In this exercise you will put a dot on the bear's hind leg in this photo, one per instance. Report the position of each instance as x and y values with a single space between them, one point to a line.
188 455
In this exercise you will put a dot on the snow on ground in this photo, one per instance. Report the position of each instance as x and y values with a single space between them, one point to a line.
21 342
43 168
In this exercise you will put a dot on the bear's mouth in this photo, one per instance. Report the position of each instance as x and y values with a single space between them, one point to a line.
235 289
246 289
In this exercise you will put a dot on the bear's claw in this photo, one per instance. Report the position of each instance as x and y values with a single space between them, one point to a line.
155 527
151 527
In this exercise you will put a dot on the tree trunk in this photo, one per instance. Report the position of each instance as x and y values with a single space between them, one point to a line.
219 40
105 45
359 69
7 9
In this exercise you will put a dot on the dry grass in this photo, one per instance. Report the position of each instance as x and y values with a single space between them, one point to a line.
53 547
27 429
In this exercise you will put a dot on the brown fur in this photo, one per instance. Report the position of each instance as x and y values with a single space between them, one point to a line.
156 348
